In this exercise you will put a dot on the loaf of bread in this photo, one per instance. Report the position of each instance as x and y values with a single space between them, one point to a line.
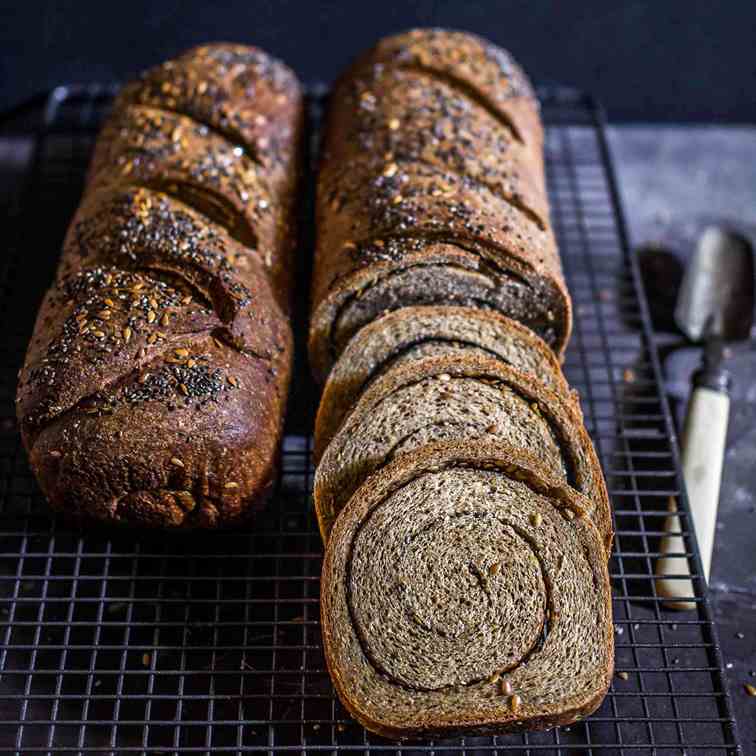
463 592
431 192
467 524
405 335
154 387
457 398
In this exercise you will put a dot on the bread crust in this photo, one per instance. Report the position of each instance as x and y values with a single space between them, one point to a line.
483 70
154 388
467 138
477 454
238 91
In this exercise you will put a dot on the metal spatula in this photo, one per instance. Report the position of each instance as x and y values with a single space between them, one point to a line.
714 306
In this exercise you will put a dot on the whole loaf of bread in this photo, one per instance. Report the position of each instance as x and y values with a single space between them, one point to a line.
154 388
431 191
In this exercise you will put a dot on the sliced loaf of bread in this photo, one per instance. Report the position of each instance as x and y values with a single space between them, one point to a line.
463 592
410 333
456 398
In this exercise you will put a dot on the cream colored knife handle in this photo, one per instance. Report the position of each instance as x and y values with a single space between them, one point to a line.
703 449
703 442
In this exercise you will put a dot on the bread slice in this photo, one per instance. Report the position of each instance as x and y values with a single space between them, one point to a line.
455 398
410 333
465 592
400 272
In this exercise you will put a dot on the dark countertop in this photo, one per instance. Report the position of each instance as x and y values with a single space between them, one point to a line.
673 180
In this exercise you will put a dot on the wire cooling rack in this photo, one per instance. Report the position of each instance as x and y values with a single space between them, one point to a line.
126 642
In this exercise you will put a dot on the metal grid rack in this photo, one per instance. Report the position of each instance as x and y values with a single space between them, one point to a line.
125 642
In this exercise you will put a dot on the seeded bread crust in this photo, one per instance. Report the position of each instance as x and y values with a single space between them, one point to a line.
413 553
411 332
486 73
453 397
173 154
433 151
155 384
466 138
239 92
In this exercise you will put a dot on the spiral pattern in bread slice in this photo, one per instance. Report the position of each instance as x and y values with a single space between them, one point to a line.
465 591
410 333
455 398
401 272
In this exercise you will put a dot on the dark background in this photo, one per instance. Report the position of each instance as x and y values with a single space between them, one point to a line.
673 60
